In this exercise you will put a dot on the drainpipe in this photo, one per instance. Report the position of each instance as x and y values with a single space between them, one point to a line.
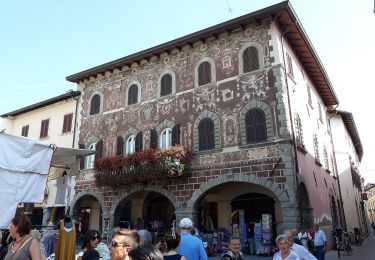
296 186
342 213
75 118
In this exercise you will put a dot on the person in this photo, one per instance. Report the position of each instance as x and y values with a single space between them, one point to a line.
103 250
91 254
234 250
172 241
300 251
190 246
122 243
320 241
304 237
144 236
90 241
146 252
283 244
23 247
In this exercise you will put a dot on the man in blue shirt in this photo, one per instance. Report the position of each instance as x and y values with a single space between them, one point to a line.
190 246
320 242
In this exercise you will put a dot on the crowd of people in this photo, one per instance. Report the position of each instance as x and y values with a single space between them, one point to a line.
179 244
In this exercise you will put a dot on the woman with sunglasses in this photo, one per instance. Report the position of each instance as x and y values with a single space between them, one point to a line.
90 241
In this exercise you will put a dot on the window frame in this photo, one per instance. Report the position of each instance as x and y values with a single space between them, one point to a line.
44 129
90 159
130 139
168 137
25 130
67 123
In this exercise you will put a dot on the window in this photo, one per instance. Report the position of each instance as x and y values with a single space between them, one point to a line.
90 159
166 85
25 131
309 95
44 129
250 59
130 145
204 73
176 132
133 95
206 134
256 128
316 147
299 131
325 154
67 125
290 65
166 138
320 112
95 105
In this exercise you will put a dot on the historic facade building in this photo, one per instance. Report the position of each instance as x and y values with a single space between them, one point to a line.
248 96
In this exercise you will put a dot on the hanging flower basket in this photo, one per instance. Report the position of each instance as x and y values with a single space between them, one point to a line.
145 166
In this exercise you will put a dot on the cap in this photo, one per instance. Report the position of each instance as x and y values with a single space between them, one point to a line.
186 223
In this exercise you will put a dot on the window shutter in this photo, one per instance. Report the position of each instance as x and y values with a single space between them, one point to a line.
176 135
204 73
250 59
99 149
44 128
138 142
166 85
25 131
133 94
120 146
82 158
153 139
206 134
67 126
95 105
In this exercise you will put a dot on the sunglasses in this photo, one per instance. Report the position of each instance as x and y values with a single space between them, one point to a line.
95 237
116 244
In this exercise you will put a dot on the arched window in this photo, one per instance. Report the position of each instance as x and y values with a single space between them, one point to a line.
138 142
166 138
256 128
166 85
250 59
206 134
95 105
204 73
130 145
90 159
133 94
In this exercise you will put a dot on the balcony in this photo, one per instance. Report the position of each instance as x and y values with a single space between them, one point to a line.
145 166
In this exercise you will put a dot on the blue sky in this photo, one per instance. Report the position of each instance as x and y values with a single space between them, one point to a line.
44 41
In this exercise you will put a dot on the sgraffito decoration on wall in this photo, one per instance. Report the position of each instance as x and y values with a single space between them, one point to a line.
254 86
205 98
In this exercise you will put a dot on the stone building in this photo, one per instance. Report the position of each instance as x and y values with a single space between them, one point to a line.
237 94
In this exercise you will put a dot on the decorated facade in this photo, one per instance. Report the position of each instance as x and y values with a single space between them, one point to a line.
226 96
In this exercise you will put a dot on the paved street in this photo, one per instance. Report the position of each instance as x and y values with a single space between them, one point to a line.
364 252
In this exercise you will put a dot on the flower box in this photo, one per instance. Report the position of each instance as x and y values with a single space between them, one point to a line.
145 166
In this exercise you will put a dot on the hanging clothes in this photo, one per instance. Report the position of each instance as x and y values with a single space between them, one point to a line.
66 243
24 167
63 184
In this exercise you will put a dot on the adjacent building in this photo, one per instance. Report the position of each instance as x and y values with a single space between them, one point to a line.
348 154
248 96
51 121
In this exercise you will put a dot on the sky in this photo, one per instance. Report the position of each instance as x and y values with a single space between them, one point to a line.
44 41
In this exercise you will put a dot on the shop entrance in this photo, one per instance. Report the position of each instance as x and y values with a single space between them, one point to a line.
88 211
123 213
158 212
245 210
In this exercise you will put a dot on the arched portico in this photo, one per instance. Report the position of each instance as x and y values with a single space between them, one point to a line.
288 216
